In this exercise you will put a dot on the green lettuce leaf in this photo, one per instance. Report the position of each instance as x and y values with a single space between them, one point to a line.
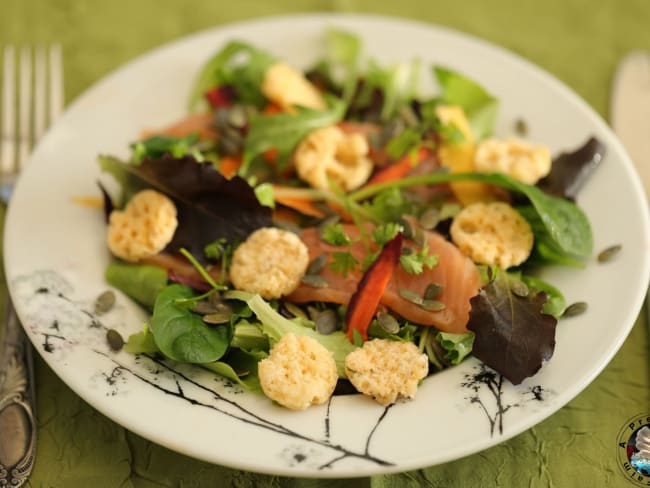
275 326
480 107
239 65
283 131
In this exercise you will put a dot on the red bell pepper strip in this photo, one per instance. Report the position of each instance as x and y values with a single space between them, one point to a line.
220 96
363 303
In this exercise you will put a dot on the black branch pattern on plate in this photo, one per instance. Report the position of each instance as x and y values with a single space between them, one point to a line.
493 405
56 315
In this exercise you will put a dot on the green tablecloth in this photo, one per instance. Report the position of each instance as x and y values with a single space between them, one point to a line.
579 41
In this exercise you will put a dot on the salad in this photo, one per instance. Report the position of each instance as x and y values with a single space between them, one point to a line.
308 233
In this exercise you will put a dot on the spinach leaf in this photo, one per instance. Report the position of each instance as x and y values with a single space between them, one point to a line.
283 131
479 106
239 65
240 367
141 282
566 227
141 342
181 334
512 333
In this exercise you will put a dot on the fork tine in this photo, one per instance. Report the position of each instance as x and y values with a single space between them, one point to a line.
40 77
56 82
24 105
8 144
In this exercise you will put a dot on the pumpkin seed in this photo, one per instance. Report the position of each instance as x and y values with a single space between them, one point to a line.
410 295
114 339
407 251
326 322
317 265
519 288
449 210
204 307
574 309
104 302
432 305
387 322
430 218
521 128
407 228
315 281
217 318
237 116
419 238
433 291
610 253
295 310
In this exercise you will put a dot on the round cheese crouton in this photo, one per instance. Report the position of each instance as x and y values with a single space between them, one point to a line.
270 262
492 233
298 373
386 370
329 154
286 87
524 162
143 228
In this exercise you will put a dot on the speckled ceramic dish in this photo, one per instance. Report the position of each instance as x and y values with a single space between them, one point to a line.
55 257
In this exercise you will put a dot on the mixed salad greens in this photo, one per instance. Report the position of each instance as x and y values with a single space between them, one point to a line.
230 169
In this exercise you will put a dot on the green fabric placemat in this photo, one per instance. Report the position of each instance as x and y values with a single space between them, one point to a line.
578 41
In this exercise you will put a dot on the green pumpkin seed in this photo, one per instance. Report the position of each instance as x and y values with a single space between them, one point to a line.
521 128
104 302
430 218
609 253
387 322
407 228
295 310
574 309
315 281
519 288
217 318
433 291
419 238
410 295
237 116
317 265
432 305
326 322
114 339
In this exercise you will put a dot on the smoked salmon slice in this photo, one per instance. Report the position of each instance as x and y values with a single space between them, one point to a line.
455 273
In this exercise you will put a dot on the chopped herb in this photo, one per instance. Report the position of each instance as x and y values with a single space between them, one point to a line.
414 263
343 262
385 232
335 235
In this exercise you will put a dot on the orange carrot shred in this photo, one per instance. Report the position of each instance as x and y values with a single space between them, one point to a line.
229 165
399 168
364 301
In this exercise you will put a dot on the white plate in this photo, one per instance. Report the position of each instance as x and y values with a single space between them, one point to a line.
56 256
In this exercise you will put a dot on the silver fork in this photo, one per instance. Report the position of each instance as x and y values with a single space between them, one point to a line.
32 98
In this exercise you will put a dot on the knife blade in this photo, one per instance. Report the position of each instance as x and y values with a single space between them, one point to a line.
630 118
17 418
630 110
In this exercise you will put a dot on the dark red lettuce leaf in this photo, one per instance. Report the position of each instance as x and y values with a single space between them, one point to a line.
570 170
513 335
209 205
